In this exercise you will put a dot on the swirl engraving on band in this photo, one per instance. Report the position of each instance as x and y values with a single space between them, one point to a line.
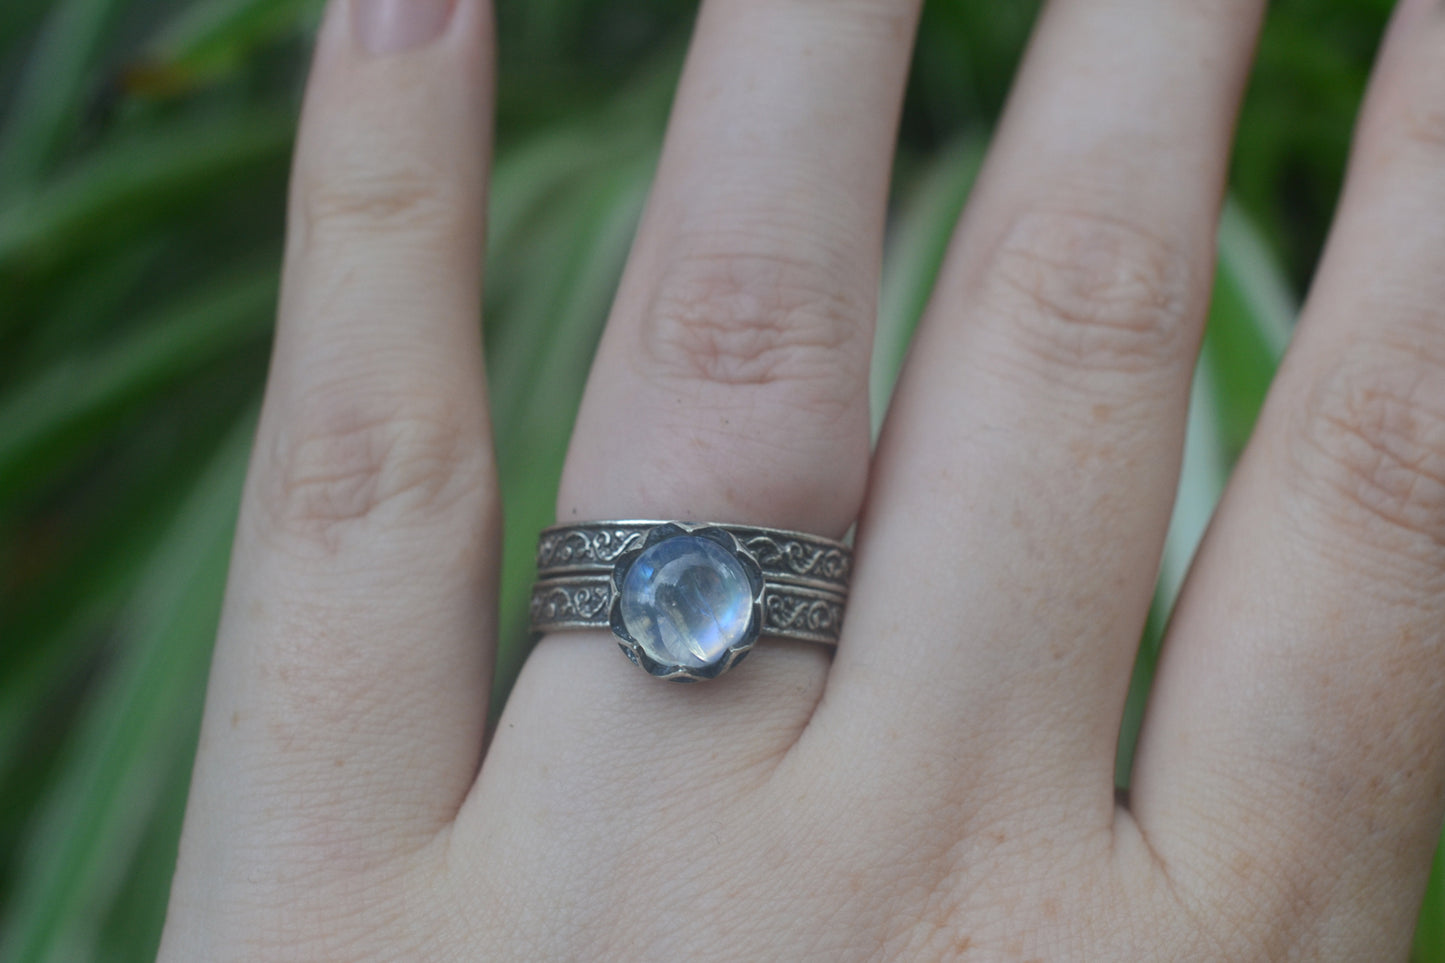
570 603
789 613
808 560
574 546
786 556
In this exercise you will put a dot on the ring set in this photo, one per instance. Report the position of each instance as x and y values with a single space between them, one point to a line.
688 601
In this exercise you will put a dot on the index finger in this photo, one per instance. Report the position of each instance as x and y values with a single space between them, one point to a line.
347 698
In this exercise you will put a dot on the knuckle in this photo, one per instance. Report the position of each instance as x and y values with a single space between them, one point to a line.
743 319
1084 291
360 200
343 461
1371 440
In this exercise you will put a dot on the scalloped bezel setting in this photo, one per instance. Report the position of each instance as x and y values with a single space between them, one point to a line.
650 655
693 609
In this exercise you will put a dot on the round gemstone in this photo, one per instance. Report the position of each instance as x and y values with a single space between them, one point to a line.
686 600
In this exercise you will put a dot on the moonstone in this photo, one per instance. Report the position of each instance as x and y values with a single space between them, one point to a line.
686 600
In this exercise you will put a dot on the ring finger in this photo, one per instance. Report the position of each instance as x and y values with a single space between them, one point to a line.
730 384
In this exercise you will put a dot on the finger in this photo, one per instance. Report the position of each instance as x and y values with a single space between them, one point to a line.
347 698
1025 475
1297 727
730 385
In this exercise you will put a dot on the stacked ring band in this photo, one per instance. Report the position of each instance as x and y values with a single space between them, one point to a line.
688 601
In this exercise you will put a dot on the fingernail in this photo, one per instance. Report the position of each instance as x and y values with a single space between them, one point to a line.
391 26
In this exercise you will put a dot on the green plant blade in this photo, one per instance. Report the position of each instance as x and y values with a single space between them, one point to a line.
917 244
210 39
17 17
541 408
48 107
1430 930
142 718
132 185
45 422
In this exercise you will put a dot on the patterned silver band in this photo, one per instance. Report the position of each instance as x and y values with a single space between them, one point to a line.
786 558
583 601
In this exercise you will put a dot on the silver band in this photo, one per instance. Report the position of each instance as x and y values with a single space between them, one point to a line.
688 601
792 558
583 601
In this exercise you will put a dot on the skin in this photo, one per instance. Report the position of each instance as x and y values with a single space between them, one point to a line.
942 787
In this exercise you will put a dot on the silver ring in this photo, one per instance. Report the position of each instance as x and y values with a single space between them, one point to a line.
688 601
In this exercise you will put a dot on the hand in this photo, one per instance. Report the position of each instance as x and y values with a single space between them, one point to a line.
942 788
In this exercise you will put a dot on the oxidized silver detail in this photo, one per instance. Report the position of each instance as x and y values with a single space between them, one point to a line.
584 547
801 614
784 556
789 612
560 604
800 585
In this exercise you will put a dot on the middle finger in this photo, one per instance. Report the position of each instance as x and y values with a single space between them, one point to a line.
1025 476
730 385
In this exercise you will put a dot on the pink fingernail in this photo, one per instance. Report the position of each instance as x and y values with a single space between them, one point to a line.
391 26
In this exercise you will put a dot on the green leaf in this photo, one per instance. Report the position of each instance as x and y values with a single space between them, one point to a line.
534 175
131 186
47 421
211 39
538 406
144 716
85 305
86 564
1250 326
17 17
47 109
917 244
131 930
1430 931
1251 316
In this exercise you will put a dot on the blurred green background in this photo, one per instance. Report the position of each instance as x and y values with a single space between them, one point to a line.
143 155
